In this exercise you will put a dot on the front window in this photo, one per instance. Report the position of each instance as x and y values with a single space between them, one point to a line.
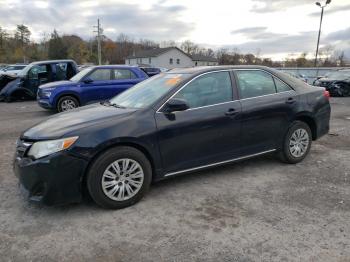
78 77
100 75
178 61
209 89
148 91
35 70
171 61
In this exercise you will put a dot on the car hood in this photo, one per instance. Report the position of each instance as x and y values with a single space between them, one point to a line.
78 119
57 84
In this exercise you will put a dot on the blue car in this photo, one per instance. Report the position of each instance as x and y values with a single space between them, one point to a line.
91 85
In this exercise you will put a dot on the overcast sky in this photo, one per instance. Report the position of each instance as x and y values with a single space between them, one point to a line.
275 27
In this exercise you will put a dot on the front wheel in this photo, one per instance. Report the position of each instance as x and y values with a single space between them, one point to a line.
67 103
297 143
119 177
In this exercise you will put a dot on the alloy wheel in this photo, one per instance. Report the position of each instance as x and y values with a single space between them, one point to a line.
122 179
68 104
299 143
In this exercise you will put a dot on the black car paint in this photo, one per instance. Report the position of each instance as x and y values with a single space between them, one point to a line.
21 87
173 142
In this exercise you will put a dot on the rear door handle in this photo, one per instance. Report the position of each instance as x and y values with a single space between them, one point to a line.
290 100
231 112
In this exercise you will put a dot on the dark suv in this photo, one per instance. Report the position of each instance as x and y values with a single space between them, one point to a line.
25 84
169 124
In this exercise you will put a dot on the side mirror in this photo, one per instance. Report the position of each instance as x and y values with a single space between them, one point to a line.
88 80
176 104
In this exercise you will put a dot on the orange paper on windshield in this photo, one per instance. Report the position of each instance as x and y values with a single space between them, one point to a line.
173 81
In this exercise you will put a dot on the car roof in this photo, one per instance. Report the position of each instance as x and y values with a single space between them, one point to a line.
52 61
292 81
114 66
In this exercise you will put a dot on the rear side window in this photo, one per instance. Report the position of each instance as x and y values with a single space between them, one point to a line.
253 83
123 74
100 75
209 89
280 86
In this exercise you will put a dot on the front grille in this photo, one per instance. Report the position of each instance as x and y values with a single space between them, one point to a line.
22 148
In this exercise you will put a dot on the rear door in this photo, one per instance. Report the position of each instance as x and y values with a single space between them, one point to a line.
208 132
96 90
122 79
267 107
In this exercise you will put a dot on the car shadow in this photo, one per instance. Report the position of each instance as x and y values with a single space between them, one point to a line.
157 189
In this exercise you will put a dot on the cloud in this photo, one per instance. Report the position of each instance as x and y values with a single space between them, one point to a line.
257 33
282 43
268 6
341 35
332 10
160 21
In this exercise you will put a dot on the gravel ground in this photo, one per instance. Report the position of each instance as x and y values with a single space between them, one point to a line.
255 210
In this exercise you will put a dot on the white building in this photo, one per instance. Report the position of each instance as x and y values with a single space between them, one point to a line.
169 57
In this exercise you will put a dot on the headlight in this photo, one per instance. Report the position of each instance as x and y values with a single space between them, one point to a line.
46 94
45 148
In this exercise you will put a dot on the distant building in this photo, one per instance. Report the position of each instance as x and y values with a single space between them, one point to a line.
169 57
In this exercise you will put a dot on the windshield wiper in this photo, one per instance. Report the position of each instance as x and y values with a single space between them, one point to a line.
117 106
108 103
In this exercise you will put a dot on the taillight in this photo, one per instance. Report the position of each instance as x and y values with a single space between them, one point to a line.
326 94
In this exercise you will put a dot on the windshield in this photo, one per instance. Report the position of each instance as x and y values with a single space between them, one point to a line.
81 74
338 75
148 91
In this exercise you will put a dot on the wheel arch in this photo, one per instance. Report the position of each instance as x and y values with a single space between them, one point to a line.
310 121
132 144
66 94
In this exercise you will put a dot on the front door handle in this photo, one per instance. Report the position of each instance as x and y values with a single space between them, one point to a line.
231 112
290 100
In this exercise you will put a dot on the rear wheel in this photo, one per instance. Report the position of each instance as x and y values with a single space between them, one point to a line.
297 143
119 177
67 103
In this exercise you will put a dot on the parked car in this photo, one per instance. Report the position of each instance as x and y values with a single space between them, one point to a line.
172 123
25 84
12 69
151 71
336 82
296 75
91 85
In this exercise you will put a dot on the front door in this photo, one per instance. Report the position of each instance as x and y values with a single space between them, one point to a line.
208 132
96 89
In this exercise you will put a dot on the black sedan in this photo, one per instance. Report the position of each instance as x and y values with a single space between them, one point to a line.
172 123
337 82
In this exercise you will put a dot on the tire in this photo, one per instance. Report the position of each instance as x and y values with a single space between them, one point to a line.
300 135
67 103
343 91
110 190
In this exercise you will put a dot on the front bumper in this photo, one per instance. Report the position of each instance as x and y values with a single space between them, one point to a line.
52 180
44 103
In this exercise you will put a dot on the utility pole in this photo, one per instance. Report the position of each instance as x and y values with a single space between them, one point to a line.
319 30
99 34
